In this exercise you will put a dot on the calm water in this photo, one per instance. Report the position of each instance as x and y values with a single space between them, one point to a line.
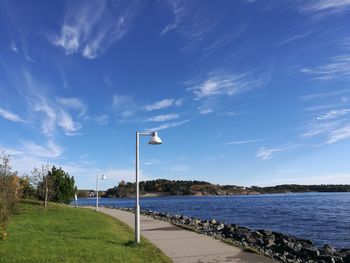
321 217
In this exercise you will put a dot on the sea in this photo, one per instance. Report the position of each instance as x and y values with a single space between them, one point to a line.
323 218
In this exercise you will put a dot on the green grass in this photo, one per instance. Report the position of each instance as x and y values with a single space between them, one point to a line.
61 233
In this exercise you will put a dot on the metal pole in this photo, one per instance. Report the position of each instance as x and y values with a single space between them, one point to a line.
97 193
137 205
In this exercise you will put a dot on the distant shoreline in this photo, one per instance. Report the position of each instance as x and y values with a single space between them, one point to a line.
167 194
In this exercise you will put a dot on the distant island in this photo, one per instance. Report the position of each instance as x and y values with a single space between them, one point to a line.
163 187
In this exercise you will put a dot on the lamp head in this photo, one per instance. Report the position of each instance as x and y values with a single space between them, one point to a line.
103 177
155 139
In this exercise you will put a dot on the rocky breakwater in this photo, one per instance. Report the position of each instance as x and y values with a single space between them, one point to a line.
282 247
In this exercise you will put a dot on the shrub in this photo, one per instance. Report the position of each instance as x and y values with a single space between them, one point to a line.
9 192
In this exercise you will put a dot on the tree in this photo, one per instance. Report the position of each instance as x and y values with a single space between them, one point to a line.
62 185
42 183
9 192
26 188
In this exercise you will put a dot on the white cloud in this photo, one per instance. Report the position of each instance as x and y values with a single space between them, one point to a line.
315 129
66 122
124 105
162 104
267 153
220 83
10 116
179 102
13 47
165 117
91 29
231 113
49 122
178 9
294 38
74 104
122 101
203 110
339 134
325 5
167 125
50 151
325 94
10 151
333 114
338 68
102 120
244 141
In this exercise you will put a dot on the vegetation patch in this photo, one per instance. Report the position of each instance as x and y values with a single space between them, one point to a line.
59 233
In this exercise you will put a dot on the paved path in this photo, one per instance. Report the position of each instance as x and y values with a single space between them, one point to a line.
184 246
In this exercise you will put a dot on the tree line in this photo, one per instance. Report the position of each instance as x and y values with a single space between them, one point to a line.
176 187
48 184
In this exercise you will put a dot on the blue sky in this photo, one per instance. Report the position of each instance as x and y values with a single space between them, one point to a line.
241 92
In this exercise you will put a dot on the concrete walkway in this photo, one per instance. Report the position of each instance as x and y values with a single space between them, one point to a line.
184 246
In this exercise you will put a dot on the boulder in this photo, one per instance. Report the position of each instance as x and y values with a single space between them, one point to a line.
220 227
329 250
213 221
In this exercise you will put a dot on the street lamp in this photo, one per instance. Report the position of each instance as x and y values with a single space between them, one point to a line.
155 140
102 178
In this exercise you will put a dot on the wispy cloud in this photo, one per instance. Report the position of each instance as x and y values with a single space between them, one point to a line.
178 9
53 116
51 150
168 125
165 117
338 68
201 26
10 151
294 38
318 128
205 109
244 141
124 105
102 120
73 104
267 153
333 114
340 134
48 122
91 29
69 126
221 83
10 116
325 94
162 104
231 113
13 47
325 5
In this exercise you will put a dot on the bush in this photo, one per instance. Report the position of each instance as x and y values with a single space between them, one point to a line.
9 192
60 186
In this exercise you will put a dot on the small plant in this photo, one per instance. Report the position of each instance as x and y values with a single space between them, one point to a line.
3 233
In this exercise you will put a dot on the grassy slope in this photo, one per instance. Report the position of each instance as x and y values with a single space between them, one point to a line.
65 234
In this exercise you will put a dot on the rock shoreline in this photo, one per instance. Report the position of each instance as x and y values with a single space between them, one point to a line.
281 247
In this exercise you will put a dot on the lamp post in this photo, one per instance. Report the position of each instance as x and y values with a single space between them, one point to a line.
154 141
102 178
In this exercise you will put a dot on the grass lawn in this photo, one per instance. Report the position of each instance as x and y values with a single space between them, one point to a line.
61 233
